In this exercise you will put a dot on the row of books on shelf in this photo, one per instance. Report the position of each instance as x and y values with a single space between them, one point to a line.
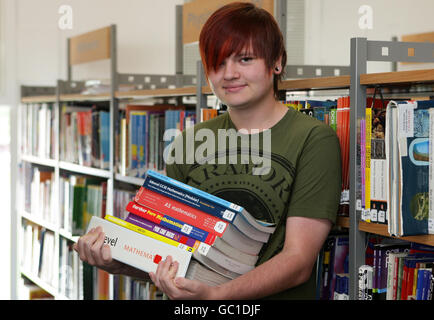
335 113
393 270
77 280
37 130
397 270
332 269
396 159
37 252
84 136
81 197
38 187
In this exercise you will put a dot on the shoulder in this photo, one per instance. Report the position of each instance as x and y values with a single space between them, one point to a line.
307 129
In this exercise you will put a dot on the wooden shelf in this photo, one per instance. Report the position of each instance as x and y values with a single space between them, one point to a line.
340 82
156 93
343 222
381 229
84 97
399 77
38 99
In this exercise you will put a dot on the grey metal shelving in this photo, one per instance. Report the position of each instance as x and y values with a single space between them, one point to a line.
362 52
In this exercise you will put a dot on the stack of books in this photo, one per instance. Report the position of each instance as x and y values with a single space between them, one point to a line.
213 240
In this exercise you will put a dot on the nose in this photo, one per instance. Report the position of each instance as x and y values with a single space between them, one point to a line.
230 70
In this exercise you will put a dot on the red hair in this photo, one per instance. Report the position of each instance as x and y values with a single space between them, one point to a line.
237 26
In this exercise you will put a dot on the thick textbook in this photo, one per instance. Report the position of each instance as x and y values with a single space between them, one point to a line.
196 218
169 222
138 250
208 203
408 166
244 248
181 211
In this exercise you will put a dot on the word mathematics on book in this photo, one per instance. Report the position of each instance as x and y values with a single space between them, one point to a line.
397 178
212 239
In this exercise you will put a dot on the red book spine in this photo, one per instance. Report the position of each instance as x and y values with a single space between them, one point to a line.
404 283
180 211
157 217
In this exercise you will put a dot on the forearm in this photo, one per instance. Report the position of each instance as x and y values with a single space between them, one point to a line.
281 272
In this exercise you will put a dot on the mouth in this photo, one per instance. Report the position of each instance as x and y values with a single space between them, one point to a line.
234 88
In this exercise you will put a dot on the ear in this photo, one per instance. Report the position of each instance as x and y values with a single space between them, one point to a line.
278 69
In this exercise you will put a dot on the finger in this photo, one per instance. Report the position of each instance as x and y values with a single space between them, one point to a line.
163 268
80 245
106 254
173 269
87 243
96 249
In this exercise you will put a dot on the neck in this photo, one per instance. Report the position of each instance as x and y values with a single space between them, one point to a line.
262 117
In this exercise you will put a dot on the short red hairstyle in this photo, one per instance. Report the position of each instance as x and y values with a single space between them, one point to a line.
235 27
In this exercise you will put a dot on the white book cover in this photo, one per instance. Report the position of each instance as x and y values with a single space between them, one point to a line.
138 250
431 173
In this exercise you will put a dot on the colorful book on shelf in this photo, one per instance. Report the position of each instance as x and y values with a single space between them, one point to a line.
413 145
407 131
368 132
378 196
431 173
208 203
104 139
138 250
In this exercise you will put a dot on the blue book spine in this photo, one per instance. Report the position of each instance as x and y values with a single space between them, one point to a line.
141 144
105 139
191 196
134 143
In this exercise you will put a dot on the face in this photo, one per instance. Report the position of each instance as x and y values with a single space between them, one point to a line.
242 81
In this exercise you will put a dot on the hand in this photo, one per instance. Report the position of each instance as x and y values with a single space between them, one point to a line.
178 288
91 249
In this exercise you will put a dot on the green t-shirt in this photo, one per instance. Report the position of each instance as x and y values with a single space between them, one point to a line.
301 174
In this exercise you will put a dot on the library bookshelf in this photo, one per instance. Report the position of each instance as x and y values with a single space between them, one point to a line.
352 78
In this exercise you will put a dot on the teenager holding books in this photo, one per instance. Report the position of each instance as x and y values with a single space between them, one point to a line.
299 191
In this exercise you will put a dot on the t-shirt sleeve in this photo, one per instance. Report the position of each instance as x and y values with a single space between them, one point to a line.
317 185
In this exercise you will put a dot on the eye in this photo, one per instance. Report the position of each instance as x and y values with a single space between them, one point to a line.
246 59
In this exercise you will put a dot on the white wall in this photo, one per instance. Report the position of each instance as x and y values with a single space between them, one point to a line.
330 24
145 37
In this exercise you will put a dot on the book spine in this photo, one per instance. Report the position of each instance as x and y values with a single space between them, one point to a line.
148 233
138 250
171 223
191 196
431 173
151 226
178 210
368 123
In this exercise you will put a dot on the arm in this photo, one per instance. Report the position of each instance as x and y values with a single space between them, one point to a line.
291 267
